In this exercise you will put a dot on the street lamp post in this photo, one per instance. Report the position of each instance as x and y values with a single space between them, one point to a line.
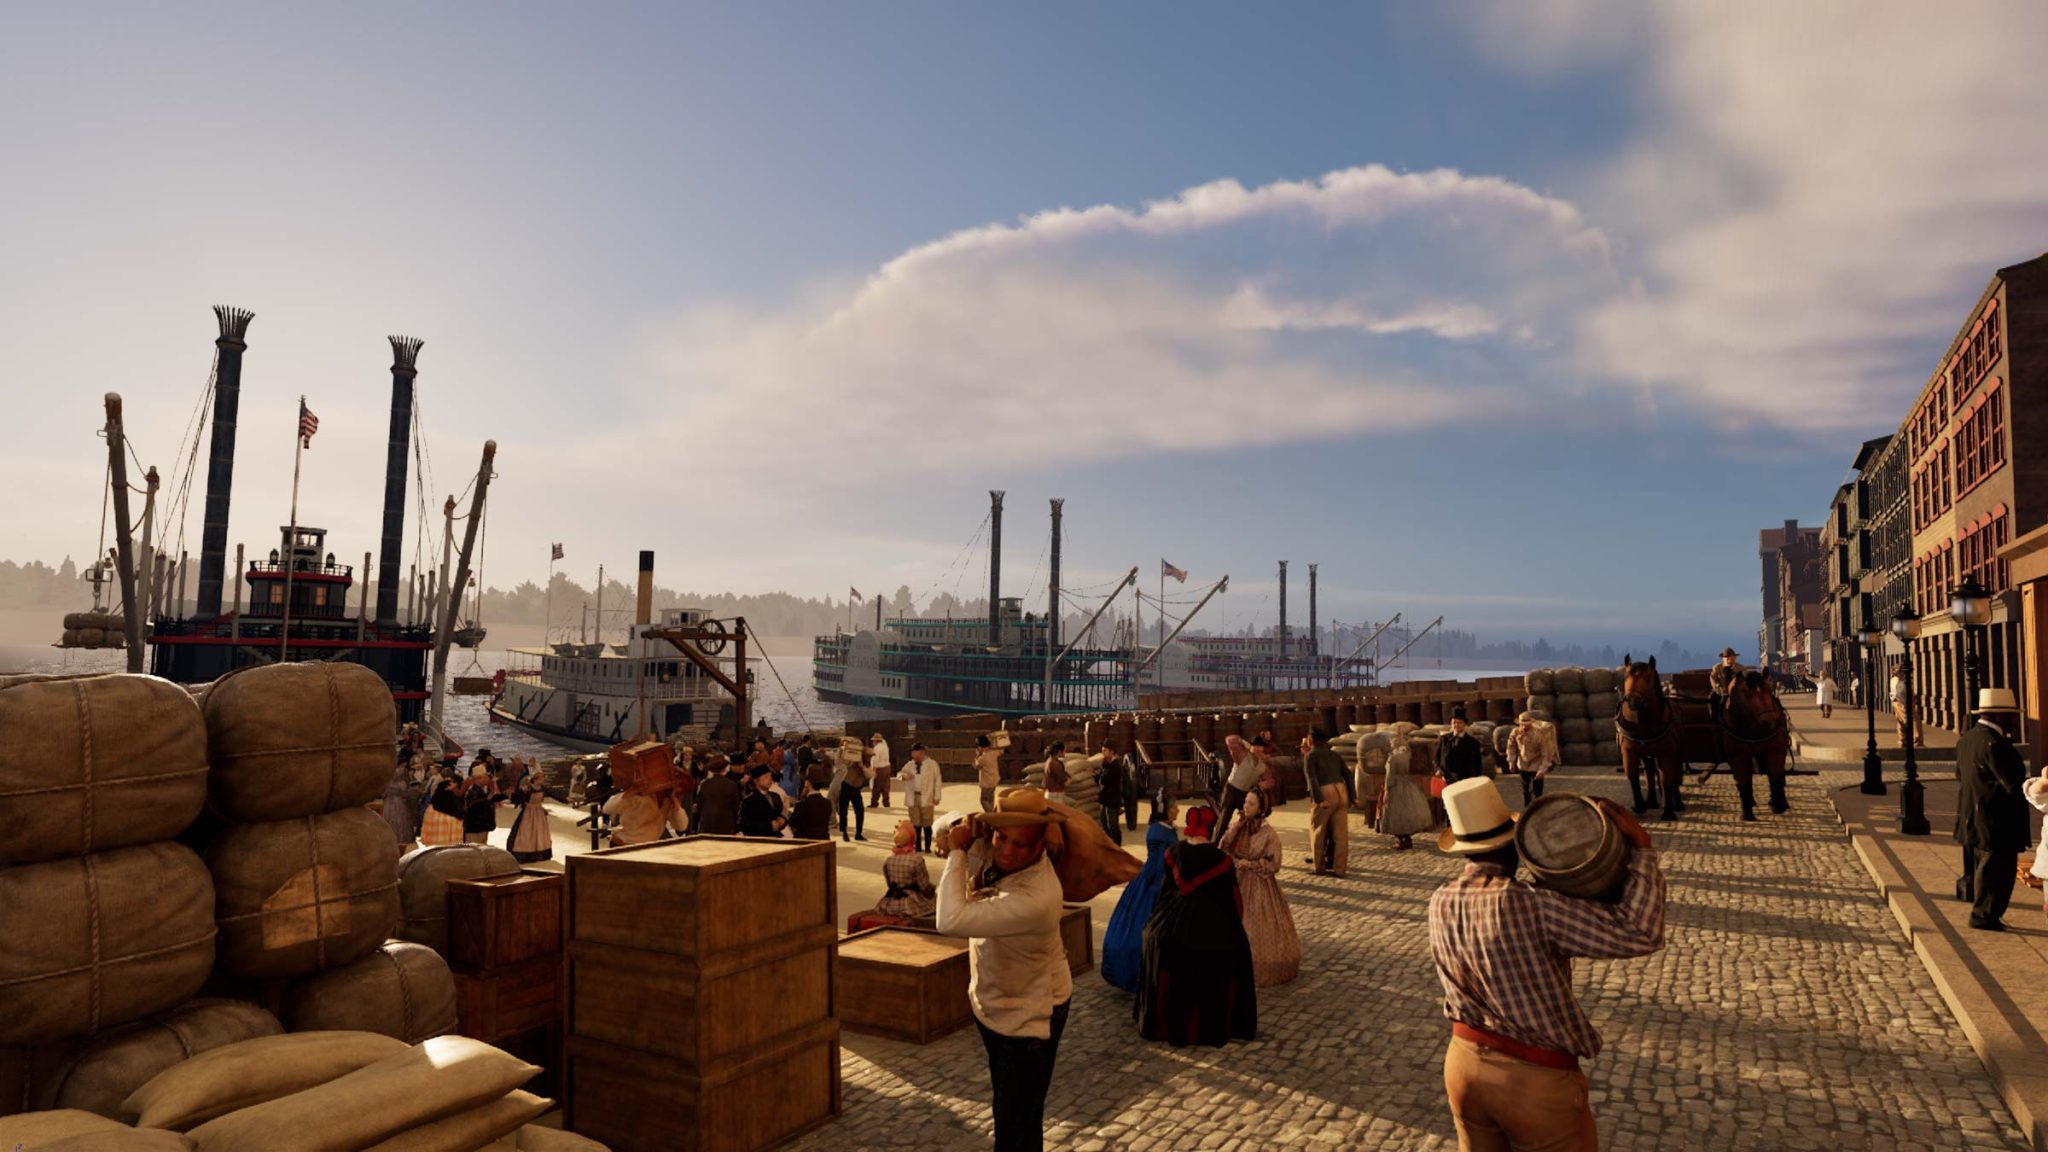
1912 797
1971 606
1873 767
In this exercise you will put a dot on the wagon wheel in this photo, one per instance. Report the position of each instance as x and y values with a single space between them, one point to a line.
713 647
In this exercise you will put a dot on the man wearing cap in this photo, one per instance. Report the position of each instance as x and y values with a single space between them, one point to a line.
1003 896
1503 951
1991 808
1721 681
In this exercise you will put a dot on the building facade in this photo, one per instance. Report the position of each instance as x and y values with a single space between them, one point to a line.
1792 595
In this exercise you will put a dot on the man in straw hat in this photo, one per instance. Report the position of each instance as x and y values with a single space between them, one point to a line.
1991 809
1721 681
1503 952
1001 893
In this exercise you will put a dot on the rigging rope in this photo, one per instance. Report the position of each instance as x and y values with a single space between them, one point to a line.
778 677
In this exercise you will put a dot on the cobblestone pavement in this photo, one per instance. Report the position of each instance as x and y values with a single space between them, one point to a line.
1785 1012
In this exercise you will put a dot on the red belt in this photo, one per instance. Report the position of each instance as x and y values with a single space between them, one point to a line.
1542 1057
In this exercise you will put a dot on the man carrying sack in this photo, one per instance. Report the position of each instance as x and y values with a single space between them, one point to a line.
1503 952
1002 895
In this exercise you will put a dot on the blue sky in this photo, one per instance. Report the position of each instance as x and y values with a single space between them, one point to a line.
1526 314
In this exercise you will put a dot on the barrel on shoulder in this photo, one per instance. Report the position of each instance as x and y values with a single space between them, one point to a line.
1572 847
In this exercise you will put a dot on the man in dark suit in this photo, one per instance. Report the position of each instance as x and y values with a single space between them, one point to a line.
1458 754
1991 811
718 800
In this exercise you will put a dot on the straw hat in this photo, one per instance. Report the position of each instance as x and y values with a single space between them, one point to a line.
1480 821
1997 700
1016 807
1526 718
1727 651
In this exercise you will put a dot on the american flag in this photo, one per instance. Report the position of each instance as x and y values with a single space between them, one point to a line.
554 551
308 424
1166 569
853 592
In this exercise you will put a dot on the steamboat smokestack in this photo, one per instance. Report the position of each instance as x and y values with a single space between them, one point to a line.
405 354
220 465
1052 619
995 568
643 609
1314 632
1283 610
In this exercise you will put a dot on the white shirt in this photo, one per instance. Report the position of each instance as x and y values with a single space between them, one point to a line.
1016 961
923 786
2036 791
1245 773
878 759
1898 690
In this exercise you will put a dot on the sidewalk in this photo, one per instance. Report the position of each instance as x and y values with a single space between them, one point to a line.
1996 983
1844 737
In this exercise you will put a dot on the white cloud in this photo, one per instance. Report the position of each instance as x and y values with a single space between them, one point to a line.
1364 301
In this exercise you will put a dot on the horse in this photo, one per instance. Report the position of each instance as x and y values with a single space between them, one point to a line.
1754 733
1646 727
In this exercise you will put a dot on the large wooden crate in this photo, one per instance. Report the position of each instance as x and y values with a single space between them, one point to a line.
903 983
498 921
701 897
1077 932
509 1000
634 1101
700 1015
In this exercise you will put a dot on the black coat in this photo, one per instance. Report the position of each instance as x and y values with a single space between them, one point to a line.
1459 757
811 819
758 813
718 805
1991 811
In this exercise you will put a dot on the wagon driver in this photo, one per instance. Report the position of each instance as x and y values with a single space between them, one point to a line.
1503 952
1003 896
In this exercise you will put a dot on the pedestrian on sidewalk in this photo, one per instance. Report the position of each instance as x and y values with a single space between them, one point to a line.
879 770
1824 695
1329 824
1503 950
1991 812
1855 691
1908 731
2036 791
1001 894
1721 681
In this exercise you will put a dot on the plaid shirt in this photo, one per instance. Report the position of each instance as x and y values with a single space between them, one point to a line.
1504 950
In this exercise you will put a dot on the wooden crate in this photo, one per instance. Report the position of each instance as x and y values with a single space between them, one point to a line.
1077 932
509 1000
497 921
700 1015
903 983
635 1101
701 897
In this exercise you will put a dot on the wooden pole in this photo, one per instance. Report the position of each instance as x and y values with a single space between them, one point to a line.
131 606
235 621
184 562
447 622
363 603
291 538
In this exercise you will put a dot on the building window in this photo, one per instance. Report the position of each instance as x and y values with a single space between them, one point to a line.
1979 443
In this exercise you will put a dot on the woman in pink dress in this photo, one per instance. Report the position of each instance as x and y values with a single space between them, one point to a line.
1255 848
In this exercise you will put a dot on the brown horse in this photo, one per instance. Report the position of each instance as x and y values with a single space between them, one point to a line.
1754 734
1646 726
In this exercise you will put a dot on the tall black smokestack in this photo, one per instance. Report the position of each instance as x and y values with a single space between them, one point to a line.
1314 626
405 353
1283 610
995 568
1052 619
220 465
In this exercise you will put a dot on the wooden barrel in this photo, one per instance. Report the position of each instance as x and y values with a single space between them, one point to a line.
1571 847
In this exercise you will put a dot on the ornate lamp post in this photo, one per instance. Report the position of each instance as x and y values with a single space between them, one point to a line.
1971 606
1873 768
1912 797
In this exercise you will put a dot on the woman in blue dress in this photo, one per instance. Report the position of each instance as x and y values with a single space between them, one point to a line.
1123 943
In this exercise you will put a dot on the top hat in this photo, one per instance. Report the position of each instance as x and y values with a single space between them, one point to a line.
1016 807
1727 651
1997 700
1458 713
1480 821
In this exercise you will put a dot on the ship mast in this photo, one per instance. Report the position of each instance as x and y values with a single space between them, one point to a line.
451 603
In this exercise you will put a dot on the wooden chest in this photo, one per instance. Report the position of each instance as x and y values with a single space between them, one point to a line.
903 984
509 1000
498 921
1077 932
701 897
634 1102
646 765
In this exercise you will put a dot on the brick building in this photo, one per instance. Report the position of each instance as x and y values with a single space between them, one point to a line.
1792 587
1868 573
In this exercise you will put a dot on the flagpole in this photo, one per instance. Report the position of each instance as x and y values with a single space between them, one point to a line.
291 540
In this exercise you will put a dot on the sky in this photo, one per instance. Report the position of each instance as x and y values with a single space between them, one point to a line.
1525 314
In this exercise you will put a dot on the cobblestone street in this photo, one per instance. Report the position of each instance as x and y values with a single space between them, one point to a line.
1785 1012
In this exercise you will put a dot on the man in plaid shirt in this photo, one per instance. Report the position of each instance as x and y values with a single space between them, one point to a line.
1503 951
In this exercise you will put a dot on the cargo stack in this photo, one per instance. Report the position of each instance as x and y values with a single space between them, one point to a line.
505 948
1582 702
698 970
108 922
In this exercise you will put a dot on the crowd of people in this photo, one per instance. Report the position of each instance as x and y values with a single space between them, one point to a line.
429 803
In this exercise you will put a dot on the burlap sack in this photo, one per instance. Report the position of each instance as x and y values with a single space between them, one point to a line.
1571 708
99 1073
91 763
237 1076
293 740
1087 862
122 1140
1577 755
469 1130
423 876
1575 731
401 990
1539 682
35 1129
534 1138
1602 705
101 940
1569 681
293 897
441 1077
1607 752
1545 707
1600 680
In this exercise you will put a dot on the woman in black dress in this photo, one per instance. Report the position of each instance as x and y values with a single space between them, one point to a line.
1197 986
